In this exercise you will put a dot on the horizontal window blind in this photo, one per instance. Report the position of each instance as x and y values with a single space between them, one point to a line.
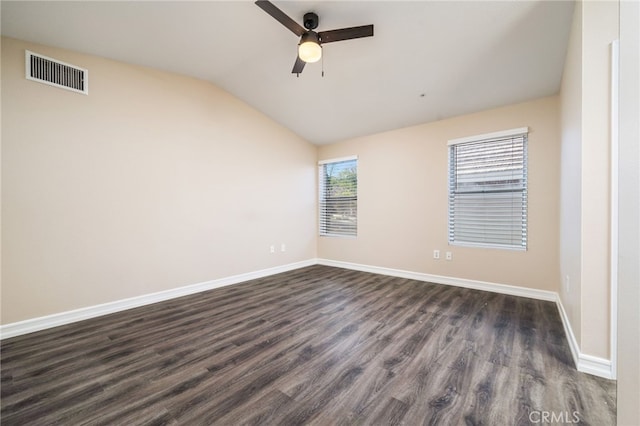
488 192
338 197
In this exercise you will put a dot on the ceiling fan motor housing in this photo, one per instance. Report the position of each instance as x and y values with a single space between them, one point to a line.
310 21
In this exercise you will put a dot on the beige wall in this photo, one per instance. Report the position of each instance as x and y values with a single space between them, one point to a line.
586 127
600 28
571 175
402 199
152 182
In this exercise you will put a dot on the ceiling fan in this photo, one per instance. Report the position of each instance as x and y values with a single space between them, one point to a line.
310 46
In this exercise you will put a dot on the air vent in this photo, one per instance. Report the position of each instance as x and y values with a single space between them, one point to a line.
56 73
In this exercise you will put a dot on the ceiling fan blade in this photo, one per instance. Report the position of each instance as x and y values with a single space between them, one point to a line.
298 66
281 17
346 33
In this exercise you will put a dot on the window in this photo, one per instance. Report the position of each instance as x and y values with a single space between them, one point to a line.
339 197
488 190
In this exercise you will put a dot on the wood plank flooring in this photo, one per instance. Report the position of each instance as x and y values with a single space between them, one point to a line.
317 345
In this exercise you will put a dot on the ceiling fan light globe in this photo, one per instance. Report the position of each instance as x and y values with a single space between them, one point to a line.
310 51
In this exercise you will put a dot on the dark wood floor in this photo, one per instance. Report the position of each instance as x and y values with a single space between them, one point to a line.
318 345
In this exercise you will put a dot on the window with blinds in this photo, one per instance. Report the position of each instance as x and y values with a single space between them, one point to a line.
488 190
338 197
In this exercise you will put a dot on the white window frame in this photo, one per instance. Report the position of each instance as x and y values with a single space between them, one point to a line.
453 193
323 230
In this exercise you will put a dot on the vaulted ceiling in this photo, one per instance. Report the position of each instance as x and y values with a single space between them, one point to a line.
428 60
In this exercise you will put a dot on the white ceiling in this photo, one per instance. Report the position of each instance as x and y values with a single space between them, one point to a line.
428 60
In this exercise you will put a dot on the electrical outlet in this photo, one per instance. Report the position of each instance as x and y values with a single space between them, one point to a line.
272 249
283 247
436 254
448 255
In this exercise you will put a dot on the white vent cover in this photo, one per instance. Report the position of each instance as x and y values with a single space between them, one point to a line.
56 73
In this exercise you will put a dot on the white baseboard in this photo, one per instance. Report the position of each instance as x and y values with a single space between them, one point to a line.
62 318
585 363
568 331
439 279
596 366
